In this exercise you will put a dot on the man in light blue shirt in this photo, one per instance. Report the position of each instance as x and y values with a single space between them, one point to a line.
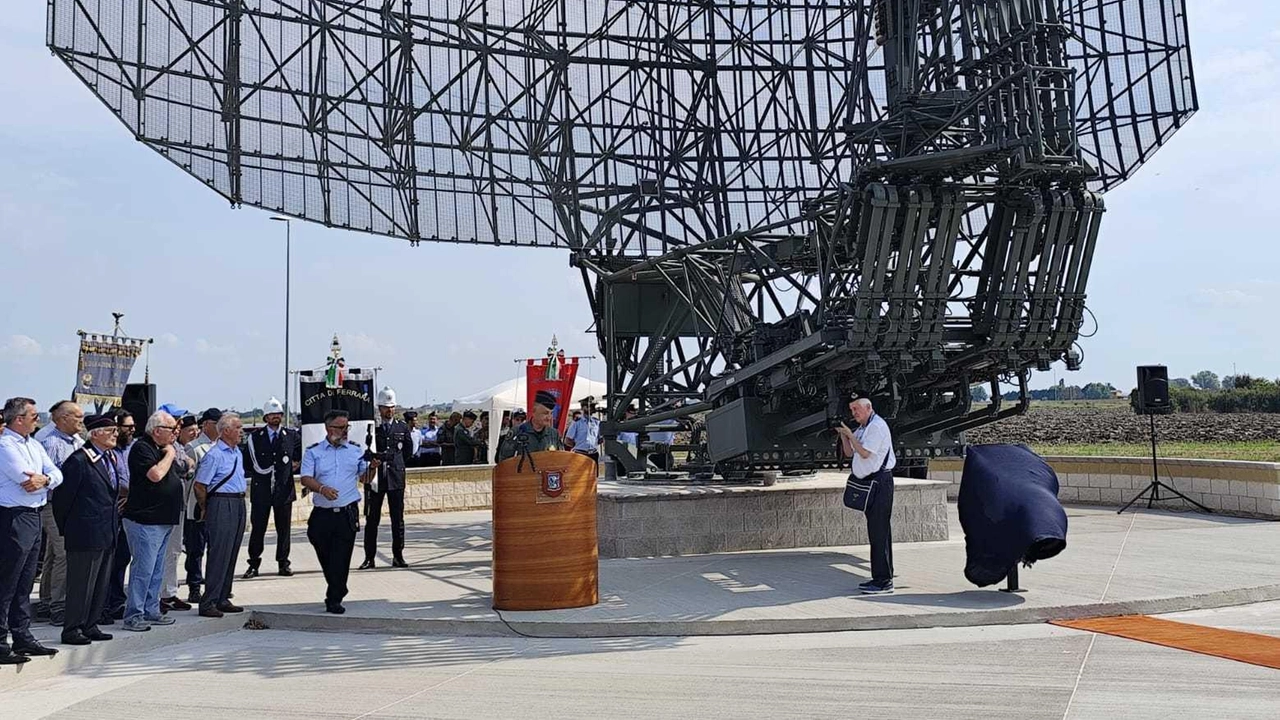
583 435
333 470
219 489
27 474
59 438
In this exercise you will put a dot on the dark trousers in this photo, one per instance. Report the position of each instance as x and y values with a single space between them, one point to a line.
395 507
332 532
429 460
88 577
262 509
194 540
879 513
119 562
19 554
224 520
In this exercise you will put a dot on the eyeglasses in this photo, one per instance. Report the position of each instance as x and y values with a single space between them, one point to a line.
170 428
339 428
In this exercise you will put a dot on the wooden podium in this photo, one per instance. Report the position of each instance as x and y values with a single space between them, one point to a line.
544 532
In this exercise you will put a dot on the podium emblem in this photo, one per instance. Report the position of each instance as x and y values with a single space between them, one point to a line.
552 487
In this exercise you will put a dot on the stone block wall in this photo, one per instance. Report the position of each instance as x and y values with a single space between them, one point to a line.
1232 487
443 489
698 520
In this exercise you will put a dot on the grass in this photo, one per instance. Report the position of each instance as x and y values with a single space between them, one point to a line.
1260 450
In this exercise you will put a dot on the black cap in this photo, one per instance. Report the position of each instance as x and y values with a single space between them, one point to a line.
545 399
469 414
187 421
97 422
410 415
210 415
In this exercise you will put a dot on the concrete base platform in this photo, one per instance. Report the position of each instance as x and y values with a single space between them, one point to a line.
1148 562
654 520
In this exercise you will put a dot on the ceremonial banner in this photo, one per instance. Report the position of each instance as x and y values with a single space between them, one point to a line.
104 367
554 375
355 395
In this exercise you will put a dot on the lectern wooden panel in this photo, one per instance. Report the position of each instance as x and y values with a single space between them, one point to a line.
544 532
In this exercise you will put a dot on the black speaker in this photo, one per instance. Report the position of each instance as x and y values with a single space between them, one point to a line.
1153 390
139 400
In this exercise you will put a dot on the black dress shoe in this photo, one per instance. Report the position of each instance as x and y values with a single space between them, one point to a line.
193 595
7 657
106 619
400 563
335 608
210 612
75 637
285 571
97 635
368 563
229 608
32 648
250 574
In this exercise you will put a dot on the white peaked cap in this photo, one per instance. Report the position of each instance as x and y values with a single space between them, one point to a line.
386 397
273 406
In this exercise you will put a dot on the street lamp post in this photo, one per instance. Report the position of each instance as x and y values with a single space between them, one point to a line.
288 227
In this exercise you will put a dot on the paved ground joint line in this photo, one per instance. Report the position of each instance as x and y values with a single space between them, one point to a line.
437 685
1093 637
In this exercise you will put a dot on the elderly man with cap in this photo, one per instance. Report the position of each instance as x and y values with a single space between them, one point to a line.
220 488
60 438
195 537
275 453
536 434
87 514
187 431
332 470
27 475
395 447
468 445
126 429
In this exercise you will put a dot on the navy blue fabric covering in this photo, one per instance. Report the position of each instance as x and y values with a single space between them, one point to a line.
1009 510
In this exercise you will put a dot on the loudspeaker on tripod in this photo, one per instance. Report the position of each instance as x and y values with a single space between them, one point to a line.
139 400
1153 390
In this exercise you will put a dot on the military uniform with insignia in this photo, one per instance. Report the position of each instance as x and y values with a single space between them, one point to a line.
394 442
528 437
273 456
333 469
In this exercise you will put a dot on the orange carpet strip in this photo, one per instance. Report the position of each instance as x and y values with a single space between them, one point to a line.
1243 647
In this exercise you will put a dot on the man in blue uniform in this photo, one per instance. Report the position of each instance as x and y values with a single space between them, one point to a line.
583 436
333 470
273 458
27 474
220 486
85 508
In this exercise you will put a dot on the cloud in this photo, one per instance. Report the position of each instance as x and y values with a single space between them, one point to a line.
21 346
363 348
169 340
1226 297
204 347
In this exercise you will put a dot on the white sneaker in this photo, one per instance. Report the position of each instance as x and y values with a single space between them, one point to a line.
137 625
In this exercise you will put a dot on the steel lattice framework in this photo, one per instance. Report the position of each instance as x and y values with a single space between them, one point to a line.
773 202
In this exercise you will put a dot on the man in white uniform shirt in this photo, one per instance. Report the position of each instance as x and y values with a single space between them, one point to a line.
871 447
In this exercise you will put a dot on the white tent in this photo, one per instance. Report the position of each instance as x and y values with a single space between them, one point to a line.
514 394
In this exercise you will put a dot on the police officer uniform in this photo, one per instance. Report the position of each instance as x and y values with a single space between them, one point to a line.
526 437
331 529
221 472
395 446
272 457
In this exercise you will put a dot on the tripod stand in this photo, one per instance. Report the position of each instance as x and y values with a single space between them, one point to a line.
1154 487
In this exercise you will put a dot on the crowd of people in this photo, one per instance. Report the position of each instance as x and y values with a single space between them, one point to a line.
102 513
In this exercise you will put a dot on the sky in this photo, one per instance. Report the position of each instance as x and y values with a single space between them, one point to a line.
1185 272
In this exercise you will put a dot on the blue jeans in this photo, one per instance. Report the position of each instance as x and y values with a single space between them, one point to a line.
146 573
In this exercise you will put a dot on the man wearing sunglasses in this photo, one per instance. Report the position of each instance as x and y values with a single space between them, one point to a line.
333 470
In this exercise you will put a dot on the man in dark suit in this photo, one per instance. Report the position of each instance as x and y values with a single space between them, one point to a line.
85 508
395 448
274 454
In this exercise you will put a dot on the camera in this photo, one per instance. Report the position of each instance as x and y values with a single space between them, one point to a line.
835 422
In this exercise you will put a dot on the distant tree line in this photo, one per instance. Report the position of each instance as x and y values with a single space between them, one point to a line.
1204 392
1061 391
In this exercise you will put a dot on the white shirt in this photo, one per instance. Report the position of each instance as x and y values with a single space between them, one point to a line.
875 437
